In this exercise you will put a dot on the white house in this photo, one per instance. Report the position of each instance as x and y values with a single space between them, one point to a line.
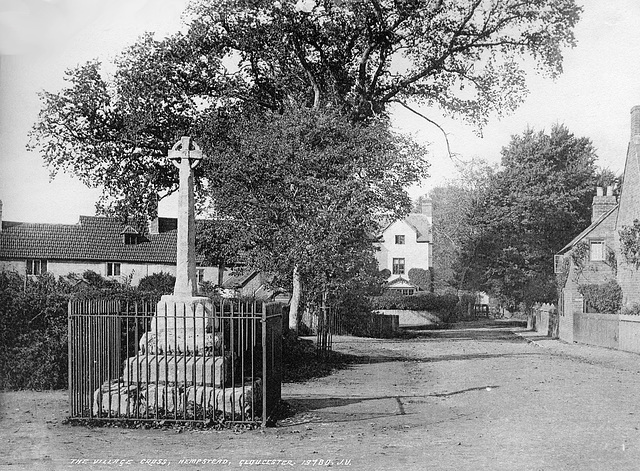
406 244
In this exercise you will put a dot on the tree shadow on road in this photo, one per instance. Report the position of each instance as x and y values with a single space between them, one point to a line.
300 410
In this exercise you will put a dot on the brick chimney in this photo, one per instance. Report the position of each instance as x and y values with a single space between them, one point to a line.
635 124
603 201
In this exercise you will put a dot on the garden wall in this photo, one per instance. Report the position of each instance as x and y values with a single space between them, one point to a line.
629 333
408 318
601 330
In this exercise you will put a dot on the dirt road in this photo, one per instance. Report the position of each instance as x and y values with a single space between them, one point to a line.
471 398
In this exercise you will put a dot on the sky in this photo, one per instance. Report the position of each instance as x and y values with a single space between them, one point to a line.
40 39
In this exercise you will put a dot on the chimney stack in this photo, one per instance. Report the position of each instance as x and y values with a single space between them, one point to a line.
635 123
602 202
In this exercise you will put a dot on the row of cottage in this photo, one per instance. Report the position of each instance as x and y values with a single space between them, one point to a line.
119 251
605 257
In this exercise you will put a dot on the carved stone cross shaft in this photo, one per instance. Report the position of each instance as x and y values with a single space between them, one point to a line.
186 155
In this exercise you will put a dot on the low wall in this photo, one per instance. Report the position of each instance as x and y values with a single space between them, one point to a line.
629 333
601 330
544 320
374 325
408 318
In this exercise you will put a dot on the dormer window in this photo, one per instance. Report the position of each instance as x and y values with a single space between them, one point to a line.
130 239
130 236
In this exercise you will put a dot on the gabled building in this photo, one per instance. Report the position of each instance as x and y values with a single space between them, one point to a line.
588 259
100 244
406 244
595 256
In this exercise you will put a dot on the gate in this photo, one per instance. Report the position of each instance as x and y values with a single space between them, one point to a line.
126 362
326 326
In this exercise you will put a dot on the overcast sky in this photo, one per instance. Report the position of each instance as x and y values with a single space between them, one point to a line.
39 39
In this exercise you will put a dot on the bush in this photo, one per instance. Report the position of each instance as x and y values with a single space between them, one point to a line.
421 278
33 332
158 283
603 298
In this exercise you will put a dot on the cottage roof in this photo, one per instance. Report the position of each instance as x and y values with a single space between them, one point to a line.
420 224
93 238
589 229
400 282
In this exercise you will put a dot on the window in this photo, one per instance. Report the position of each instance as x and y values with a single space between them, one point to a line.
398 266
113 269
596 250
130 239
400 239
199 275
557 263
36 267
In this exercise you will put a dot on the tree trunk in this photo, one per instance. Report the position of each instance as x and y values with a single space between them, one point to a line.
294 306
220 273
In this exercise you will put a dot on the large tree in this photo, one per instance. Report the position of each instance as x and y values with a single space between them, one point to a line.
309 187
539 201
454 231
354 58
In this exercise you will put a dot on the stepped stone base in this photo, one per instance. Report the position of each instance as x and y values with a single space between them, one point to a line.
209 371
135 400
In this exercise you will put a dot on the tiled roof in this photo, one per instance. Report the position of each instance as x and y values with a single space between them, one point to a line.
93 238
589 229
420 223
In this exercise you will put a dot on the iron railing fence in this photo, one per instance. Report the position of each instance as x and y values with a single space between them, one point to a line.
167 361
325 329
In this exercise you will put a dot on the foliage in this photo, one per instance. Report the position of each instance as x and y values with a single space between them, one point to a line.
360 56
631 310
33 324
563 273
603 298
580 256
159 283
416 302
539 200
454 227
348 61
33 332
630 243
421 278
307 188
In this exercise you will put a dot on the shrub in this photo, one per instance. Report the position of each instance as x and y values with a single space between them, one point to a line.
603 298
421 278
158 283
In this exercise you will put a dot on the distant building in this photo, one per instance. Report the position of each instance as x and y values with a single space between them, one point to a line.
100 244
406 244
595 255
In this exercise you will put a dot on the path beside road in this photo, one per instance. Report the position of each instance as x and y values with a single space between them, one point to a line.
475 397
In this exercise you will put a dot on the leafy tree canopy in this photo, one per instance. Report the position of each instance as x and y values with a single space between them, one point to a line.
539 201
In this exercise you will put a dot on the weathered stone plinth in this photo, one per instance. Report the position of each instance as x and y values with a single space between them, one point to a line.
180 369
183 324
130 400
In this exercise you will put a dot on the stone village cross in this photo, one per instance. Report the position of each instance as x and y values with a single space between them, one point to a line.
186 155
181 317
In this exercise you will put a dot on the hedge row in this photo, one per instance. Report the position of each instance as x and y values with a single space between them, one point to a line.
416 302
33 324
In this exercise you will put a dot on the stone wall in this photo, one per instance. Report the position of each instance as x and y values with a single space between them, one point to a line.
629 333
412 318
600 330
